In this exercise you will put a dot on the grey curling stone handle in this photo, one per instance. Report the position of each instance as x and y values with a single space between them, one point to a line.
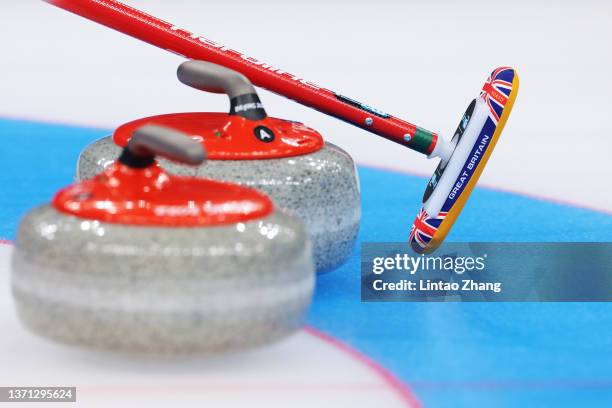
214 78
150 141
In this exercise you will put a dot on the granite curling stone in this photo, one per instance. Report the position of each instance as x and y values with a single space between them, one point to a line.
287 160
137 260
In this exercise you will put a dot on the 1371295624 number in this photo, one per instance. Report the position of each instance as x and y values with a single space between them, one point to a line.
38 394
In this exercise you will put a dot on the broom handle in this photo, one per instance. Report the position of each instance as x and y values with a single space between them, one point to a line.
164 35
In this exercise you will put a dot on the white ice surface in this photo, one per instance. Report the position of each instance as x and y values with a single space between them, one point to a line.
414 59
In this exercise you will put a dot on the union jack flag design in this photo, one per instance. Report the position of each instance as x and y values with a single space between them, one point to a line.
424 228
496 91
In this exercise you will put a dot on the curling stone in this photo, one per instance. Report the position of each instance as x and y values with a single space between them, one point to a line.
139 260
290 162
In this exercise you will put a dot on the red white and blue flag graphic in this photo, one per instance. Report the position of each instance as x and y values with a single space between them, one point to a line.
496 91
424 228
